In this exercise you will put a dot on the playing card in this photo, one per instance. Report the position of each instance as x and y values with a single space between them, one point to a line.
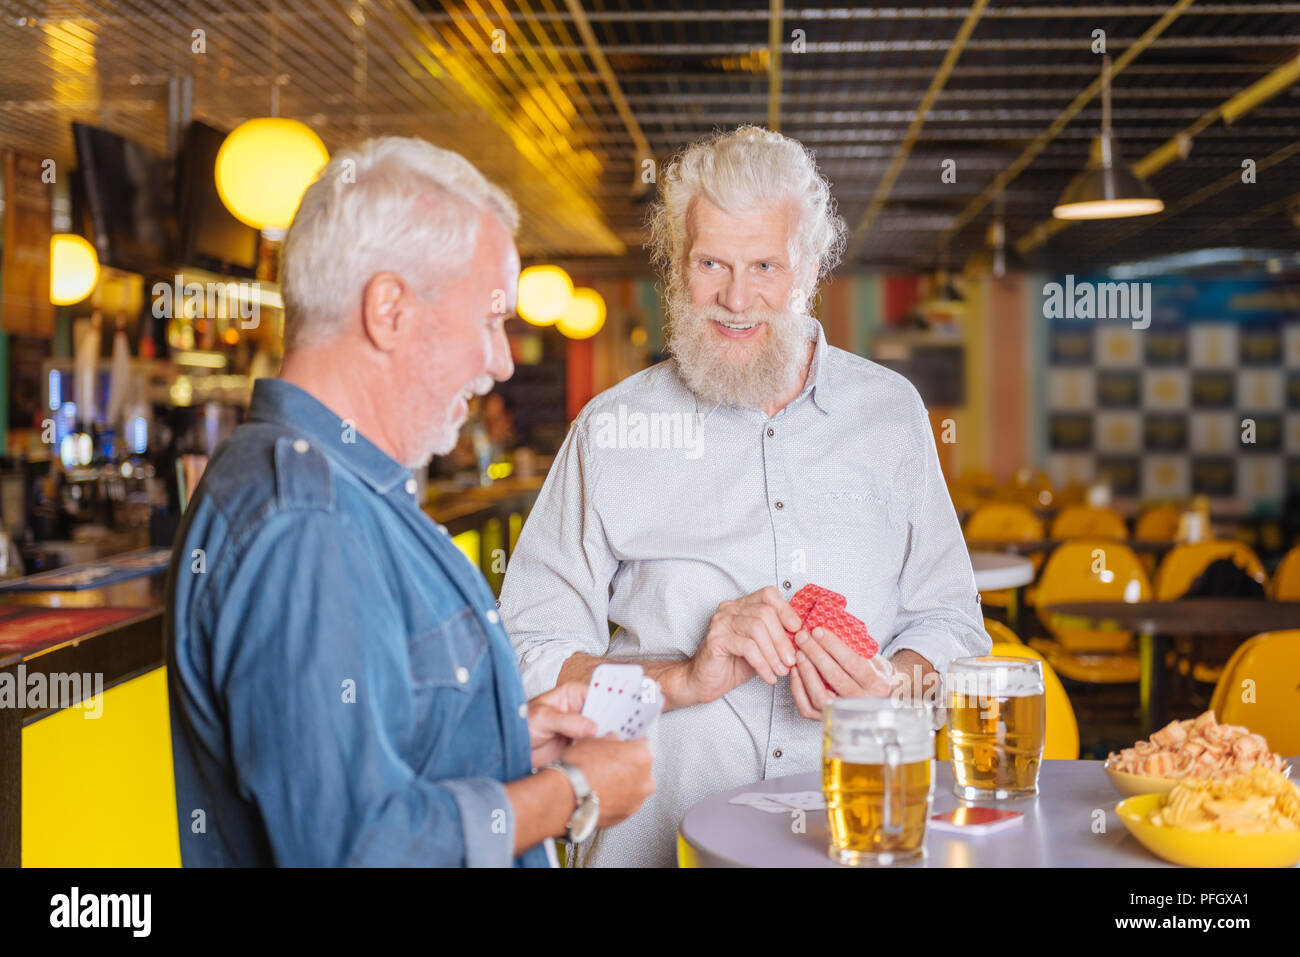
610 694
801 800
761 802
809 595
846 627
643 709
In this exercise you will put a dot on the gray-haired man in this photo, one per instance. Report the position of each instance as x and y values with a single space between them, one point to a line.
808 465
342 691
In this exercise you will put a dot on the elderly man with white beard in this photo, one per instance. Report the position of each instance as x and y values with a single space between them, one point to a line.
808 465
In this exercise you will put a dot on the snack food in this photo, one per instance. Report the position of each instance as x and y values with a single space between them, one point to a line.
1258 801
1196 748
822 608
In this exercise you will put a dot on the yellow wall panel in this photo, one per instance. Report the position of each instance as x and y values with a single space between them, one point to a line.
99 792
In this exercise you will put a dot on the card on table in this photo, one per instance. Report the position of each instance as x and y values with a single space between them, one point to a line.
976 821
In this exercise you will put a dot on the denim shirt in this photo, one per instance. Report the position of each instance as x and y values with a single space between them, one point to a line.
342 691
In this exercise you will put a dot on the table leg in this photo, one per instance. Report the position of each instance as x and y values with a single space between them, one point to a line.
1151 686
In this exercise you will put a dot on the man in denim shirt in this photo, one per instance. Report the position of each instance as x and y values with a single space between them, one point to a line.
342 690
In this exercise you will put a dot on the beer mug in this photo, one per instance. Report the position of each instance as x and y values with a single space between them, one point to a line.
877 774
997 723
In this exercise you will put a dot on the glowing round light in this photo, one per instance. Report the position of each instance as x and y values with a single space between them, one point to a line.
544 294
74 269
263 168
585 315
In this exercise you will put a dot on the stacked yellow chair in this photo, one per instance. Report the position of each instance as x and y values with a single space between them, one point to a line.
1260 689
1062 739
1090 571
1185 563
1182 566
1086 521
1159 523
971 489
1003 522
1286 580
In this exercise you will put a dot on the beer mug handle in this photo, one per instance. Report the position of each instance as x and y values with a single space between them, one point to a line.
893 780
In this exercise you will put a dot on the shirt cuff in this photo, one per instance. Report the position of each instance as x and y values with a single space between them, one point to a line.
487 820
540 666
940 646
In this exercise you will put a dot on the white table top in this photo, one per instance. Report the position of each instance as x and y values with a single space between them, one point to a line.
995 570
1058 830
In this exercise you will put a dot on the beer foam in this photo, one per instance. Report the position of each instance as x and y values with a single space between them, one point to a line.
995 678
912 752
857 731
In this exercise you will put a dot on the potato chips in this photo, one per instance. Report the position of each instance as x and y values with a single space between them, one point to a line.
1196 748
1256 802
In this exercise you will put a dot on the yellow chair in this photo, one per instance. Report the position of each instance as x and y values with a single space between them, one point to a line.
1003 522
1062 739
971 489
1091 571
1085 521
1000 633
1181 566
1072 493
1286 580
1158 524
1185 562
1268 705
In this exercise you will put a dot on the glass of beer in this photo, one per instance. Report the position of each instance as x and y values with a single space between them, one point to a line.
997 723
877 774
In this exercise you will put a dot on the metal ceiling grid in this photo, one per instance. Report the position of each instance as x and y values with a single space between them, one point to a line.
563 113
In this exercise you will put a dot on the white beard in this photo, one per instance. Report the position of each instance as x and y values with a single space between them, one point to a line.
442 436
740 373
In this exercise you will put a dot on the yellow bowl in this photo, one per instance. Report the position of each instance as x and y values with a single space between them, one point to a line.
1131 785
1206 848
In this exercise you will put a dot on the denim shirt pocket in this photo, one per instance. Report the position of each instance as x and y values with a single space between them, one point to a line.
447 656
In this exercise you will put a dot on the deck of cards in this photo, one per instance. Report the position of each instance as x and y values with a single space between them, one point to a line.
621 699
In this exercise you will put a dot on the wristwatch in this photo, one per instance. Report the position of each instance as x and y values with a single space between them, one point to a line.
582 823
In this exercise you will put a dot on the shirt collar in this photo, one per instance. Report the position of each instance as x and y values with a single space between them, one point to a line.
817 375
296 409
815 384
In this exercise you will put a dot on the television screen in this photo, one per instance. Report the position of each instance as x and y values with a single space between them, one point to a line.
127 196
209 236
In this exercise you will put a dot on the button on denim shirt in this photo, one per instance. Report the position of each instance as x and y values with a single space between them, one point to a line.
341 689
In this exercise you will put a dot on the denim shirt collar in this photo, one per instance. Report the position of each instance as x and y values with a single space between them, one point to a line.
294 408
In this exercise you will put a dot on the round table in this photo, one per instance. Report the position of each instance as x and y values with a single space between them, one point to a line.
994 570
1057 829
1154 620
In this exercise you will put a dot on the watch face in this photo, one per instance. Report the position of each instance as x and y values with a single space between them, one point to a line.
583 823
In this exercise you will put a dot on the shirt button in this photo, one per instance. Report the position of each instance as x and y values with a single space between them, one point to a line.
462 675
300 446
411 486
776 753
771 432
443 529
523 711
785 585
779 506
492 616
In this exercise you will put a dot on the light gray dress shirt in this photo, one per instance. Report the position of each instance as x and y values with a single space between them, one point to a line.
660 506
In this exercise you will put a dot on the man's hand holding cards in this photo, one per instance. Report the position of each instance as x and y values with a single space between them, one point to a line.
622 700
836 656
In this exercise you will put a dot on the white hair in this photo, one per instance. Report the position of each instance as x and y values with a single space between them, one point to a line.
736 171
392 203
